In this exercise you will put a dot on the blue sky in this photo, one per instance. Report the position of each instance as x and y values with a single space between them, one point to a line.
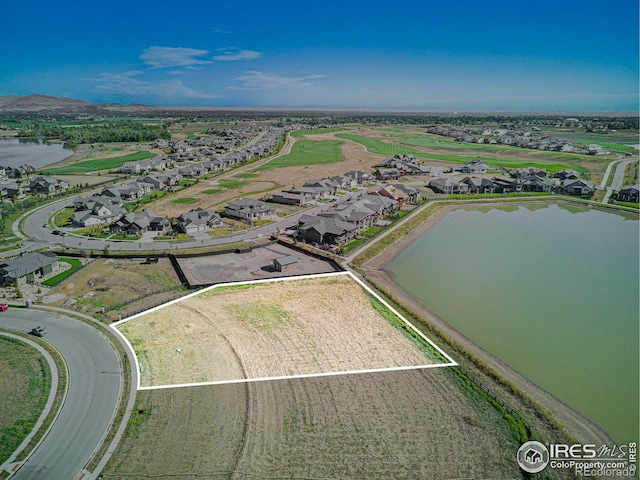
461 55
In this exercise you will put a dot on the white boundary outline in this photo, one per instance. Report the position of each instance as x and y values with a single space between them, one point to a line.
451 362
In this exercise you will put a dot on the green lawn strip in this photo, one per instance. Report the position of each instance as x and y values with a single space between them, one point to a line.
63 217
75 266
62 382
352 244
213 191
18 356
232 183
99 164
308 152
184 200
625 204
397 322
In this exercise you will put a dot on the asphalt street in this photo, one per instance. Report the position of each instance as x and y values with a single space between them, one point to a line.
95 384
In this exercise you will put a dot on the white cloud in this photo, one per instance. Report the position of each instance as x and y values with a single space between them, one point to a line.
161 57
126 84
236 54
253 80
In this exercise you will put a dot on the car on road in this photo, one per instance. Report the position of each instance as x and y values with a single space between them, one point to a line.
4 307
56 232
38 331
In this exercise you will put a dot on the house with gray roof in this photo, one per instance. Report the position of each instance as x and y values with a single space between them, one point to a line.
249 210
140 222
47 185
27 268
479 184
578 187
448 185
197 221
629 193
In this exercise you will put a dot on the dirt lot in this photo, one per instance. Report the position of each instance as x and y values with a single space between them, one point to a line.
107 282
255 265
392 425
295 327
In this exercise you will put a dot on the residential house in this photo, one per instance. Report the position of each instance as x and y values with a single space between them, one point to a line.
325 230
361 177
505 185
629 193
27 268
140 222
534 183
413 194
448 185
13 190
95 211
197 221
479 184
297 196
578 187
474 166
387 173
249 210
46 185
567 174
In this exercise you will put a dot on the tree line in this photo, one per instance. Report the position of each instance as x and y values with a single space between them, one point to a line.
116 132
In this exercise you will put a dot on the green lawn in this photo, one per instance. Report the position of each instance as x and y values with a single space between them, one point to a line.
100 164
75 265
308 152
184 200
232 183
374 145
213 191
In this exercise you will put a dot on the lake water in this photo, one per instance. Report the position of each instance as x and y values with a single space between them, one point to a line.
15 152
551 290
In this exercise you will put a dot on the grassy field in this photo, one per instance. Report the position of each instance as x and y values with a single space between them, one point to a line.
307 152
213 191
377 146
184 200
25 380
100 164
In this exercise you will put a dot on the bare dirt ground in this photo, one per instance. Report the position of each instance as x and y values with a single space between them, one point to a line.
107 282
390 425
577 426
74 180
254 265
295 327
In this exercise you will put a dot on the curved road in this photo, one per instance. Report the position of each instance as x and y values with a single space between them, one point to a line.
94 390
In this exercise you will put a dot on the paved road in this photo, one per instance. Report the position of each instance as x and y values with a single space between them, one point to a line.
95 385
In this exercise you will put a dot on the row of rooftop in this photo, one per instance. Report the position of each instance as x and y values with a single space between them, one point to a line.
516 138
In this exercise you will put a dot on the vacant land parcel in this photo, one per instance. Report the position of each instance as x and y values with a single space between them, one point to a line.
272 329
401 425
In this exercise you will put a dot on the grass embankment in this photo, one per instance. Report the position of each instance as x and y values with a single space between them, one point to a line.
307 152
25 380
75 266
377 146
100 164
26 405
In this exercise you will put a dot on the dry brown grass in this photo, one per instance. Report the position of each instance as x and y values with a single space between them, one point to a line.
293 327
401 425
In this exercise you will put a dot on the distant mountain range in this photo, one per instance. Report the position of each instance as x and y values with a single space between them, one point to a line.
45 103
